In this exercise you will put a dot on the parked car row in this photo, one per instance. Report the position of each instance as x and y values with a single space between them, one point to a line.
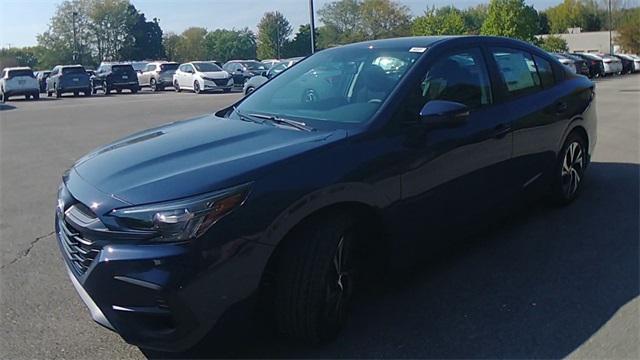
597 64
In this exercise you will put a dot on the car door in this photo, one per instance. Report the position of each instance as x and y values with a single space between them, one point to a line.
455 174
51 80
533 106
188 76
145 77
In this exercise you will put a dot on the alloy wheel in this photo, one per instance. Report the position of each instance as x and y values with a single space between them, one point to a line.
196 87
572 169
339 283
152 85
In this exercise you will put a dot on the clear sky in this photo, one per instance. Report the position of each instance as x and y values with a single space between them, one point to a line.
22 20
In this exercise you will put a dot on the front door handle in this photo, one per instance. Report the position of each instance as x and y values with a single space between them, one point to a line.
501 131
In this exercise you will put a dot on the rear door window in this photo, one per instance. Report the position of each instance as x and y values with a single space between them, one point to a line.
518 71
545 71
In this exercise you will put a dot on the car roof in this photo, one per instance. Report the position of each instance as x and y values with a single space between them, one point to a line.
18 68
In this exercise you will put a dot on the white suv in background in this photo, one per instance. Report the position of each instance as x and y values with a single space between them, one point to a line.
201 76
17 81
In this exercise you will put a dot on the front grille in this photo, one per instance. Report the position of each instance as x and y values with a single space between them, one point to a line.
221 82
79 250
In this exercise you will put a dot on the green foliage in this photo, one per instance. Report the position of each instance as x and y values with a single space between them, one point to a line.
629 32
147 39
171 44
27 56
474 17
511 18
301 43
575 13
553 43
443 21
110 24
223 45
349 21
273 33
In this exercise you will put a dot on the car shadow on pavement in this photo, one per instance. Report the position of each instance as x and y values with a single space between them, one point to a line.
537 286
6 107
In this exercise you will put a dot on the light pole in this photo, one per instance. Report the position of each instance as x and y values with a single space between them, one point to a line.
313 27
75 40
610 25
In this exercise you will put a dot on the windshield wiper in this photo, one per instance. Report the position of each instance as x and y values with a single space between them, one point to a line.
245 117
278 120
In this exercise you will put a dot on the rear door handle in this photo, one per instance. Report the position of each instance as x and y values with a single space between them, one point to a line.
501 131
561 107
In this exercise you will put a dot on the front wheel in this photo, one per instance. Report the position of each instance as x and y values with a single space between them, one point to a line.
3 98
153 85
196 87
315 278
569 170
250 89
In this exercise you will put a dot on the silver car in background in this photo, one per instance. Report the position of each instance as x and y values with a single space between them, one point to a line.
157 75
276 68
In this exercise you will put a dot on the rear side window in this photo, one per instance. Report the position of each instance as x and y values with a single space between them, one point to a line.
518 71
168 67
545 71
151 67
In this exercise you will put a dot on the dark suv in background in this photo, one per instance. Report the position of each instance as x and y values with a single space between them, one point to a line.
42 79
68 79
116 77
596 66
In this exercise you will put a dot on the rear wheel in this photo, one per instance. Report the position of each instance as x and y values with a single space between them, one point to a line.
76 93
569 170
119 91
58 92
176 86
315 278
36 96
3 98
134 90
27 96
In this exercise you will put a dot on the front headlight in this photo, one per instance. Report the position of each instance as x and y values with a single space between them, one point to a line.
182 219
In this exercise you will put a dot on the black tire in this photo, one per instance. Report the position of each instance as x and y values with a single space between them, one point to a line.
153 85
226 90
312 295
27 96
176 86
87 92
134 90
196 87
58 93
36 96
49 93
3 98
250 89
76 93
119 91
94 90
569 170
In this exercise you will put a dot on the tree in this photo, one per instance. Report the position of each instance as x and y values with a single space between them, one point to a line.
147 39
584 14
27 56
59 37
171 44
629 32
192 45
343 16
110 24
510 18
384 19
474 17
273 31
301 43
224 45
553 43
443 21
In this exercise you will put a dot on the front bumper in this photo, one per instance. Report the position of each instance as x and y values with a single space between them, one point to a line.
166 296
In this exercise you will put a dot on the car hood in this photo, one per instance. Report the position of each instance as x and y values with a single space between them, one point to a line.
216 74
192 157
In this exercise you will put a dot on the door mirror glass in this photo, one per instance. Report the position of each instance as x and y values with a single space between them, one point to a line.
443 113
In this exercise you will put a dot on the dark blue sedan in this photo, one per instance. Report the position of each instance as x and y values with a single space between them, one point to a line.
359 158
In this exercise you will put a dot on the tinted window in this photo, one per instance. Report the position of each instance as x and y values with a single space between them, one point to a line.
339 85
168 67
151 67
517 70
122 68
461 77
545 71
73 70
206 67
254 65
26 72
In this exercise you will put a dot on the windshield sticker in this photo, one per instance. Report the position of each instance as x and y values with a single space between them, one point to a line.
418 49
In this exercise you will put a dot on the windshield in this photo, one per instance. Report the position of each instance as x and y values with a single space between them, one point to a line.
23 72
344 85
168 67
254 65
206 67
73 70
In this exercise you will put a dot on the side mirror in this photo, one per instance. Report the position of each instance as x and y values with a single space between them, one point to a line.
443 114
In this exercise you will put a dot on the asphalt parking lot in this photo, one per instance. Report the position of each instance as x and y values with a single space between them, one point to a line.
548 283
